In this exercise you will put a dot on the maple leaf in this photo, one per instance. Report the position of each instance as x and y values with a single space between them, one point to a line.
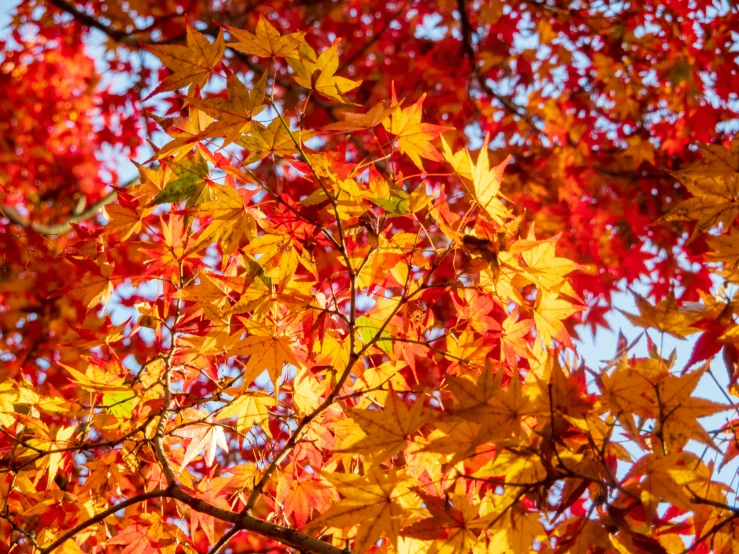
725 250
233 115
503 413
267 41
209 490
544 268
486 183
55 459
184 132
190 183
550 311
124 221
250 408
513 333
267 351
373 502
714 184
664 478
273 139
231 221
356 122
460 161
319 73
471 396
135 540
625 392
302 495
649 391
517 532
526 468
105 474
98 379
452 527
679 409
387 431
204 438
666 316
8 397
307 392
92 288
414 137
191 64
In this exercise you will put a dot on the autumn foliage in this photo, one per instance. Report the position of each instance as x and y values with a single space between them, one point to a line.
335 311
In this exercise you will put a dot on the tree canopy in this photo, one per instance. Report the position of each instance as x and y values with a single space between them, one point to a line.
334 308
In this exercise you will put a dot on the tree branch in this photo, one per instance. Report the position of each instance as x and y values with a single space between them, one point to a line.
284 535
235 530
90 21
66 225
58 228
367 45
101 516
469 51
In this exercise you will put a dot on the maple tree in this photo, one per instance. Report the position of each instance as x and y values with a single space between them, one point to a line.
335 310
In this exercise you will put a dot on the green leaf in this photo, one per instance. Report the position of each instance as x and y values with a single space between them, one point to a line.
398 204
368 331
191 177
120 404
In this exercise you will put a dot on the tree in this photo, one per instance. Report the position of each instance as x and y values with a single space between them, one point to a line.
334 312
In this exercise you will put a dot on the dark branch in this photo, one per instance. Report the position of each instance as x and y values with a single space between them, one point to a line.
101 516
90 21
469 51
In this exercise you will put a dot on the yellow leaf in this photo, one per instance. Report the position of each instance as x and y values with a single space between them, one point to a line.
234 115
184 132
388 430
307 392
414 137
725 250
8 397
486 182
544 268
273 139
319 73
714 184
549 313
231 221
94 288
516 532
460 161
503 413
266 42
250 408
97 379
124 221
191 64
270 352
62 440
674 396
666 316
372 503
519 468
356 121
470 396
69 547
663 478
